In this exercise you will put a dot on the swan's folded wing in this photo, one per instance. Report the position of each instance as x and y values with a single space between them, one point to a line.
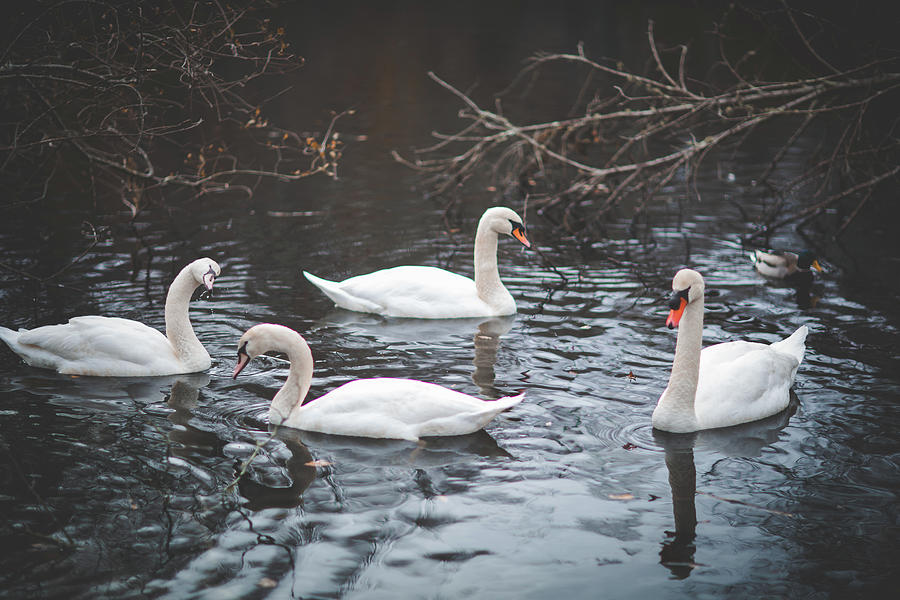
728 352
399 408
742 383
416 291
95 345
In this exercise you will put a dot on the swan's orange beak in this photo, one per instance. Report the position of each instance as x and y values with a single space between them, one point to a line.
243 360
675 314
815 265
519 233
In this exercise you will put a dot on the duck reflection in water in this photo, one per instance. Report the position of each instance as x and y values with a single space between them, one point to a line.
746 440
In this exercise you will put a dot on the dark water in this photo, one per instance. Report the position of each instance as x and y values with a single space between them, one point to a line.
123 487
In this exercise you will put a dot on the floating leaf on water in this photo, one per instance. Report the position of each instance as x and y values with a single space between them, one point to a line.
267 582
625 496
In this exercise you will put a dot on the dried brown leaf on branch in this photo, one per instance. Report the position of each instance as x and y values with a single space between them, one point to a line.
635 135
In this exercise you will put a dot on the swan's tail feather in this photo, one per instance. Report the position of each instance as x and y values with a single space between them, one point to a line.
340 297
795 344
468 422
329 288
323 284
9 336
495 407
32 355
507 402
12 338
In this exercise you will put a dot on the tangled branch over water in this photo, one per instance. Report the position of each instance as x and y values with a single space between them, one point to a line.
126 98
634 136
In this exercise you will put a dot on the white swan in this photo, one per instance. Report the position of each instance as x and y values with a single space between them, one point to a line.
114 347
375 408
432 293
725 384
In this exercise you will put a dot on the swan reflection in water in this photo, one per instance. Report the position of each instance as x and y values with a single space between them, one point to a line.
746 440
188 439
274 480
273 483
487 333
487 343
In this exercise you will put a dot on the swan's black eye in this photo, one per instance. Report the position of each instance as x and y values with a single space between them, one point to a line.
243 350
677 296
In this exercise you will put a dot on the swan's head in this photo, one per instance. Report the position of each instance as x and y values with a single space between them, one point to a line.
687 287
205 271
807 260
506 221
263 338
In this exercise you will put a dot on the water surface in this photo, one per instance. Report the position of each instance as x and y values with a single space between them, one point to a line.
126 487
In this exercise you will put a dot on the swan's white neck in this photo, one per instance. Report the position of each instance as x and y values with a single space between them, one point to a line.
675 410
487 277
287 402
181 335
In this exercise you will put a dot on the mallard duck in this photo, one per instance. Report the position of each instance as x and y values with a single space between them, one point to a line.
781 264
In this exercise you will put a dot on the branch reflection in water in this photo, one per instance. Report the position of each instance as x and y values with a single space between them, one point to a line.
746 440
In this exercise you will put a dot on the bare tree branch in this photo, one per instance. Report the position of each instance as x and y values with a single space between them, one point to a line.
635 134
140 97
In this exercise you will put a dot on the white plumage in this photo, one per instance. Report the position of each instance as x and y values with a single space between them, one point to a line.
724 384
110 346
375 408
430 292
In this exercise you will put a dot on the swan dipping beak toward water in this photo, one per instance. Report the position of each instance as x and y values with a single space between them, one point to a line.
382 407
115 347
